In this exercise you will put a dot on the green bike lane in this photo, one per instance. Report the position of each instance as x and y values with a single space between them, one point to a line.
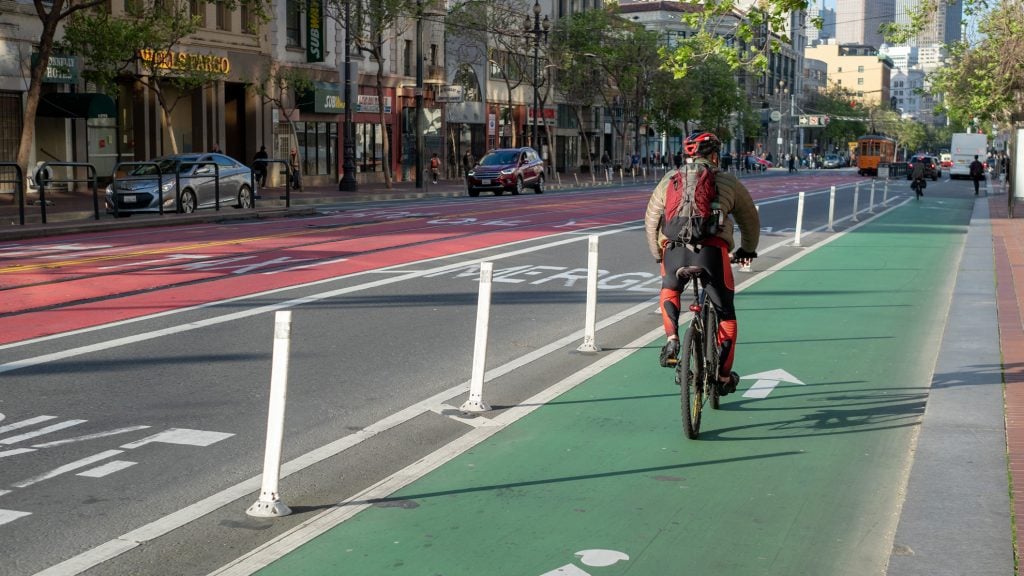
600 480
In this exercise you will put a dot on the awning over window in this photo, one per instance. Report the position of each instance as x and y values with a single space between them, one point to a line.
76 105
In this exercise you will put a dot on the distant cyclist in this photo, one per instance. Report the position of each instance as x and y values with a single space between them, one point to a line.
732 200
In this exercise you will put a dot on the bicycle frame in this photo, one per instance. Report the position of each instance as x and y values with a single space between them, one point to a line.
698 373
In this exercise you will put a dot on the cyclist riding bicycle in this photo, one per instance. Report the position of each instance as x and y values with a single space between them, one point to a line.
734 203
917 183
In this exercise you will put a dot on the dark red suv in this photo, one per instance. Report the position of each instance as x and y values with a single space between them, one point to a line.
512 169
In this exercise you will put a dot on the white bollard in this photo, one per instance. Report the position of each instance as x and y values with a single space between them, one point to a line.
269 503
799 218
622 177
831 208
885 193
558 177
483 318
577 178
749 267
590 320
871 198
856 196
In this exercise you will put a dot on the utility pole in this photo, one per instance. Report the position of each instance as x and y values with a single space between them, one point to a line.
419 94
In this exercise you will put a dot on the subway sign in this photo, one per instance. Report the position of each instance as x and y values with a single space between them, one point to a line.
315 26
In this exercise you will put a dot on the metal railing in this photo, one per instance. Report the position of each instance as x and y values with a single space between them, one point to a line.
43 179
19 187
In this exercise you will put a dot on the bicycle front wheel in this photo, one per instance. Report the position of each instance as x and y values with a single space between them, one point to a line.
690 374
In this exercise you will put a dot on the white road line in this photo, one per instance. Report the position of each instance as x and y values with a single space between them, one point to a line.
181 436
89 461
106 469
25 423
15 452
11 515
42 431
90 436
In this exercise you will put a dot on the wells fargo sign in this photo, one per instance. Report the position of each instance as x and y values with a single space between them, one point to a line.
185 61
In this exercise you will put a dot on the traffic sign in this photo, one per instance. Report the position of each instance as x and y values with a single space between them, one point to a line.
812 120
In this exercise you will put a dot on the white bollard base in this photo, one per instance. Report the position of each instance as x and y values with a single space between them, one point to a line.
268 509
589 345
474 406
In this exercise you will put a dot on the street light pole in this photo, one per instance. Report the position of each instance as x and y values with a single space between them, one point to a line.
419 94
538 31
778 143
348 181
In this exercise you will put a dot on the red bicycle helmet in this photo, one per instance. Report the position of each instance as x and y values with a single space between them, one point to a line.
701 143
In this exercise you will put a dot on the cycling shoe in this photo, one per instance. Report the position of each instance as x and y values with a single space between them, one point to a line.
669 354
726 388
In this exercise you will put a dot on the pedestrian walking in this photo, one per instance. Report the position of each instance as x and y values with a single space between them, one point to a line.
259 166
435 168
977 171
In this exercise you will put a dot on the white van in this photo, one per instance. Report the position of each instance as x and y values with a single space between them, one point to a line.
963 150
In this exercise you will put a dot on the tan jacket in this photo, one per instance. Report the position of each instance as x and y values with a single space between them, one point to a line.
733 199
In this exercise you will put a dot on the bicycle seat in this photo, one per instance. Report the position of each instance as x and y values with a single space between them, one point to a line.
690 272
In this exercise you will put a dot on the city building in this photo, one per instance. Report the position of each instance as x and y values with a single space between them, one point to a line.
857 21
860 69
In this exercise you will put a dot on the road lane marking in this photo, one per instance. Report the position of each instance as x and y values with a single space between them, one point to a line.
90 436
11 515
87 461
181 436
15 452
42 431
25 423
107 469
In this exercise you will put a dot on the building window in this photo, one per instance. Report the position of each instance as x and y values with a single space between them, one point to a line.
860 69
407 58
839 69
248 22
223 16
860 81
318 147
198 8
293 26
10 133
433 54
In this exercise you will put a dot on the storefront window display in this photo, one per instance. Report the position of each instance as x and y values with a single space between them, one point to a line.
318 147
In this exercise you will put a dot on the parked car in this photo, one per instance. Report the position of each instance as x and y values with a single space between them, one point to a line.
932 168
138 191
512 169
832 161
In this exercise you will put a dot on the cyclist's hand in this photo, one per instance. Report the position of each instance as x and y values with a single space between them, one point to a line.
742 257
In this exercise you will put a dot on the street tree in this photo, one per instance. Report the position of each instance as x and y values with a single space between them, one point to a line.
498 24
144 39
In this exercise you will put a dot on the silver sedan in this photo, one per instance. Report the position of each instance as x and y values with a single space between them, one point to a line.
139 191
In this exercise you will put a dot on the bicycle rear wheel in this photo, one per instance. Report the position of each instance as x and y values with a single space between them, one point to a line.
691 377
711 354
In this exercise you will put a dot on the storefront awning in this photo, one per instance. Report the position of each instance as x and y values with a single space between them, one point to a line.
76 105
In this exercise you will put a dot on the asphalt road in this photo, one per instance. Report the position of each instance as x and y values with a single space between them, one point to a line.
136 365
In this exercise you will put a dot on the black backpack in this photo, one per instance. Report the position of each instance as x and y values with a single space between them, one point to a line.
691 209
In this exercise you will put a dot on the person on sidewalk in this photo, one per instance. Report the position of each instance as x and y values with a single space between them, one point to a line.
259 166
715 191
435 167
296 173
467 163
977 171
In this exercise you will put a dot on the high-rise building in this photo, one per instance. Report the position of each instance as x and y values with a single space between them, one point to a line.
942 26
857 21
828 23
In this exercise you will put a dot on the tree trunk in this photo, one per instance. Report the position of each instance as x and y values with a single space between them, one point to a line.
28 130
385 141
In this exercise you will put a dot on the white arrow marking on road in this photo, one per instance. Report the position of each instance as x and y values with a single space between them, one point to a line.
182 436
767 381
